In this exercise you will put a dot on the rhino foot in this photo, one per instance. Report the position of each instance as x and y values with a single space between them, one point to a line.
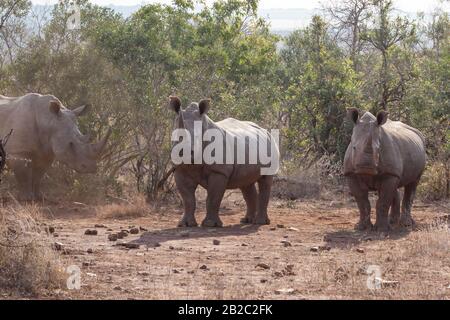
212 223
407 221
382 227
364 226
247 220
261 220
185 222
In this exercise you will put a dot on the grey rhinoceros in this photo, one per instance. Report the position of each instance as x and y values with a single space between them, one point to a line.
383 155
43 130
217 176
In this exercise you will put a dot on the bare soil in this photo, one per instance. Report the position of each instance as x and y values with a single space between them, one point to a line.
310 251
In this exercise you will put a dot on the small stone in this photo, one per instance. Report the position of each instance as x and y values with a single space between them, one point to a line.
134 231
91 232
285 291
203 267
244 245
90 250
99 226
263 266
292 229
86 264
58 246
175 271
109 229
263 280
324 248
142 229
314 249
122 234
273 228
118 288
286 243
131 245
51 229
216 242
171 247
281 226
360 250
113 237
143 273
56 235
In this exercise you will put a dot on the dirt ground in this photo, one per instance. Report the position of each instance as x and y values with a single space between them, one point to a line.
310 251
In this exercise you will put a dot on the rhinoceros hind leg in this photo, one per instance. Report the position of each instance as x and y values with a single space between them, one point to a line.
251 199
264 186
406 219
394 215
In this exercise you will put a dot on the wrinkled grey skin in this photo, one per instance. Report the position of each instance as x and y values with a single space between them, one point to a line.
383 155
216 178
44 131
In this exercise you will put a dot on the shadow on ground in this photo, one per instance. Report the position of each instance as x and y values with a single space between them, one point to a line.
153 238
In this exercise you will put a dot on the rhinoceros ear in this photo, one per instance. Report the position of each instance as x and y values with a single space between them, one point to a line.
382 117
55 107
353 114
80 111
204 105
174 103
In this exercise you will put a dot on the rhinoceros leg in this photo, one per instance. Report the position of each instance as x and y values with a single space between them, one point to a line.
37 175
394 216
406 219
386 194
186 188
361 193
23 173
264 186
251 199
217 183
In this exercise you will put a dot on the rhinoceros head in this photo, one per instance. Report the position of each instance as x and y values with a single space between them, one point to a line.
366 140
68 144
187 118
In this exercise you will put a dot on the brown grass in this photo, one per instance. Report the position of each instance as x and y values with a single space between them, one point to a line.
135 208
28 264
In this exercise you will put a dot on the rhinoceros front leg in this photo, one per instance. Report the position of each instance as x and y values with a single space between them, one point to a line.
386 194
217 184
406 219
394 216
37 175
264 185
23 173
251 199
186 188
361 194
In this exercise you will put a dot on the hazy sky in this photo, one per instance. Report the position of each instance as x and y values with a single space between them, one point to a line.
406 5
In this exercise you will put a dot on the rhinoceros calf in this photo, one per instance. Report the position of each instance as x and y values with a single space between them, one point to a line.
44 130
218 176
383 155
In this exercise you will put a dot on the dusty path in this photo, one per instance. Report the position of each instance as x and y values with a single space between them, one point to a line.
309 251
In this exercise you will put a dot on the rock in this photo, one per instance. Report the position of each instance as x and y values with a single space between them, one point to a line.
58 246
118 288
281 226
109 229
86 264
92 275
56 235
273 228
285 291
360 250
113 237
175 271
263 266
204 267
99 226
314 249
122 234
134 231
171 247
143 273
142 229
131 245
244 245
216 242
51 229
91 232
324 248
286 243
292 229
263 280
90 250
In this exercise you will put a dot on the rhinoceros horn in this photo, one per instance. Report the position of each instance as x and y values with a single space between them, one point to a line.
100 146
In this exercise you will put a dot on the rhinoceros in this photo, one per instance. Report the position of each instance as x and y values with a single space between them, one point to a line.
218 176
383 155
43 130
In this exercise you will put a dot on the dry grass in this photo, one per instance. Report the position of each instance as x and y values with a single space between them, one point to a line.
127 209
28 264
